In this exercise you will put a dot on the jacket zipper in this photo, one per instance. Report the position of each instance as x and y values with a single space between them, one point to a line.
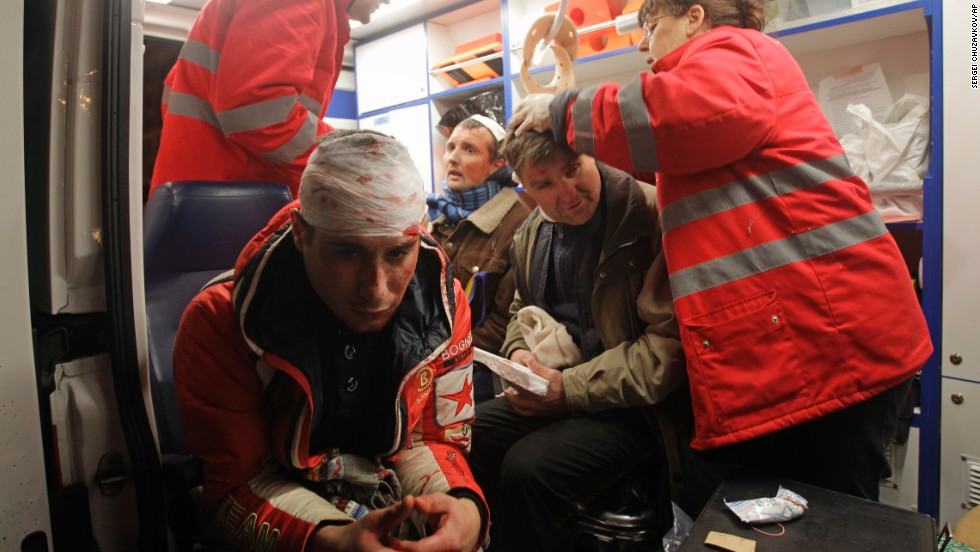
452 458
433 357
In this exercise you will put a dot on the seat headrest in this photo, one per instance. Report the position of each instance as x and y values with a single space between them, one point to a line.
192 231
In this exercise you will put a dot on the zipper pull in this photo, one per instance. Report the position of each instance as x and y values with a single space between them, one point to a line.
452 458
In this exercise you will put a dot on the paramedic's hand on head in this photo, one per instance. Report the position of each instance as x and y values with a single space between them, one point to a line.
455 521
372 533
534 113
529 404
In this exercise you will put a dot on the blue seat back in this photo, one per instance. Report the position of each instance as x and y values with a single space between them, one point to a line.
192 231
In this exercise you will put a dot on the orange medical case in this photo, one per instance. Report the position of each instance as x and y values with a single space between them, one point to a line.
474 72
585 13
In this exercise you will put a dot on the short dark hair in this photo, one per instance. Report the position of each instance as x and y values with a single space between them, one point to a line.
531 146
745 14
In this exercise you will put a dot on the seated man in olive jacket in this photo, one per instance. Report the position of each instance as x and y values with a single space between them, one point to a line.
589 256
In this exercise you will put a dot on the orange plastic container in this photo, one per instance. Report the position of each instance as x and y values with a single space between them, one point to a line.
474 72
585 13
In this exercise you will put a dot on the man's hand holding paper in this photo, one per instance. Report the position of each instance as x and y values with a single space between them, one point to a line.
513 372
551 402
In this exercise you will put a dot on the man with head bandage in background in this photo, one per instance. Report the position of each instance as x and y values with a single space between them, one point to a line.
478 215
326 385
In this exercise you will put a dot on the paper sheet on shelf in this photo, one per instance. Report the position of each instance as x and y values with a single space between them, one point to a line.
865 85
515 374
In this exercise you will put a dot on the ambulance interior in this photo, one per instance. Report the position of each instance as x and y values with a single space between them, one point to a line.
103 269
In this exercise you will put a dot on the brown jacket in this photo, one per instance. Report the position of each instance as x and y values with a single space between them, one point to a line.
481 243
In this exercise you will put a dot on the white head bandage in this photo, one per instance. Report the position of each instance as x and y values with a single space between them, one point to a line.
491 125
362 184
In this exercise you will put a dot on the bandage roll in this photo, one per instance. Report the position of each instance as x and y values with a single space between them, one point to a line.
362 184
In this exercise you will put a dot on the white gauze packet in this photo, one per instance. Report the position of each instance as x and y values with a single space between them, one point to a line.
516 374
785 506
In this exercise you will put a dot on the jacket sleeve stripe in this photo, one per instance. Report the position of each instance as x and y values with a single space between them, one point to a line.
419 472
191 106
753 189
298 144
777 253
639 130
559 108
293 499
582 120
200 54
256 115
250 117
167 89
311 105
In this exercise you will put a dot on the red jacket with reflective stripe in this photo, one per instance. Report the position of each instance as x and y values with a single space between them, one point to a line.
793 299
244 373
246 98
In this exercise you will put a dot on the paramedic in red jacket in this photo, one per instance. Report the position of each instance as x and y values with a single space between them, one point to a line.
341 341
797 313
247 96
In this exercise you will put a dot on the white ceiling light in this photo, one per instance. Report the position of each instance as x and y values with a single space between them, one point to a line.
387 9
159 1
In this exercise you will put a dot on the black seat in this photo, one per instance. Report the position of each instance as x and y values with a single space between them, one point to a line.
631 516
192 232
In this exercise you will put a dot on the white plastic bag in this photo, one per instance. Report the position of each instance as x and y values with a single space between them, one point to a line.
892 156
679 531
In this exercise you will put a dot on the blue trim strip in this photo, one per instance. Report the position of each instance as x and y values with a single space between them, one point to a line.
469 90
343 105
932 268
505 40
905 225
964 380
390 108
870 14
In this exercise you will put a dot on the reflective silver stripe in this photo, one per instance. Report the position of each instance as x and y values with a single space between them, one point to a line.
775 254
298 144
639 129
753 189
201 54
582 119
191 106
167 89
311 104
257 115
196 108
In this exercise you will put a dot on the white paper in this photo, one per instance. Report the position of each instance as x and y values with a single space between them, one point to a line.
515 374
859 85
